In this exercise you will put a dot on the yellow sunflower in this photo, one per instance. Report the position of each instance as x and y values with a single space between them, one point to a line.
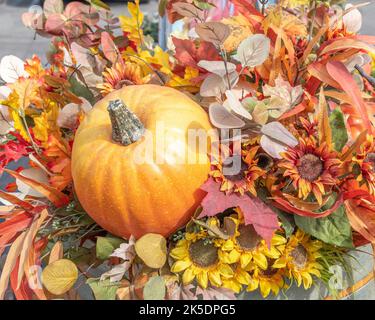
239 278
246 247
120 74
269 280
300 259
311 168
199 259
365 161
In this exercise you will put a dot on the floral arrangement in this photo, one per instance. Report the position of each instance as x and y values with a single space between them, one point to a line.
290 187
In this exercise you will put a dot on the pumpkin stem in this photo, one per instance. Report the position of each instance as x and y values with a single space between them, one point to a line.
126 127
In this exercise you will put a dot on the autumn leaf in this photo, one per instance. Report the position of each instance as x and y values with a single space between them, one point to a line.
338 71
255 211
188 53
10 263
213 31
132 25
60 276
58 198
324 129
110 50
152 249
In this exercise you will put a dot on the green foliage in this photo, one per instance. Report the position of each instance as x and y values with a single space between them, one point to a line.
334 229
339 133
154 289
106 245
103 290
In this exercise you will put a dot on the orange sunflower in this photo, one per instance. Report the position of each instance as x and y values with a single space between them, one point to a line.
120 74
365 162
238 173
311 168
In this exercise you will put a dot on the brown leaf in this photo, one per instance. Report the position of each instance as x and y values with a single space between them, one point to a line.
188 10
214 32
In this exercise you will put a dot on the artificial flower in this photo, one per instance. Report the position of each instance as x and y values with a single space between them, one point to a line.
199 259
300 258
311 168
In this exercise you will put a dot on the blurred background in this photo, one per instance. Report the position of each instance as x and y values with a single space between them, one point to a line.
18 40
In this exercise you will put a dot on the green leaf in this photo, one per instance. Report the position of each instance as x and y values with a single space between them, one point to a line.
334 229
80 255
106 245
103 290
287 222
154 289
339 132
81 91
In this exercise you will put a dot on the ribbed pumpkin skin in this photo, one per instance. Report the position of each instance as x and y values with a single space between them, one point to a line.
127 198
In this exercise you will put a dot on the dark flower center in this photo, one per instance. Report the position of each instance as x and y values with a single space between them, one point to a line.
299 255
248 238
203 254
264 161
310 167
371 159
270 271
234 168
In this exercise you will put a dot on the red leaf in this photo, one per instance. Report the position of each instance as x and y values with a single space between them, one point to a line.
255 211
248 10
14 200
340 73
23 292
189 54
15 224
58 198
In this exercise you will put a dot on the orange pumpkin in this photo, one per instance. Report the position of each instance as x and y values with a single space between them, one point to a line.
129 162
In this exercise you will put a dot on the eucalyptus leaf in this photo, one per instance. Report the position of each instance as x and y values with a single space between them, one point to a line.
339 132
253 51
213 31
154 289
220 117
334 229
103 290
106 245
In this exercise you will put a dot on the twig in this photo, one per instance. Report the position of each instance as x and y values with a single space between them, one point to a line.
312 21
362 72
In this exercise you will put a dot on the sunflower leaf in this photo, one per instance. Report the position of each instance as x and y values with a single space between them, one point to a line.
334 229
339 133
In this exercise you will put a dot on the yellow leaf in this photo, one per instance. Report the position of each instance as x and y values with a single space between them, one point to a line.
152 249
60 276
132 24
18 125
